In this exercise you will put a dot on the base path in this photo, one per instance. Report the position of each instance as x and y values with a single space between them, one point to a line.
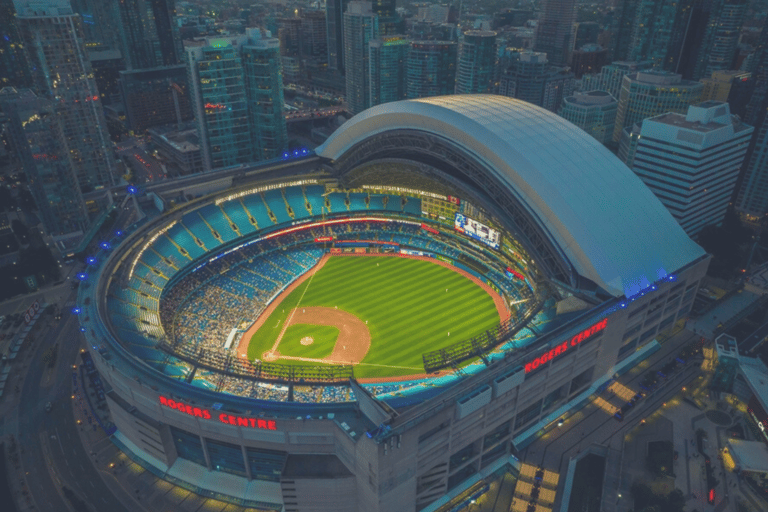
352 344
242 343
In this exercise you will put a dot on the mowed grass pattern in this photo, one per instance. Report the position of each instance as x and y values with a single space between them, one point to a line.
405 303
324 337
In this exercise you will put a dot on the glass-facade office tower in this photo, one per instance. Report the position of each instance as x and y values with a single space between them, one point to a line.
263 80
691 161
148 33
431 69
387 59
658 32
38 141
334 22
154 97
555 30
593 111
361 25
237 98
752 196
529 77
718 49
652 93
62 72
477 62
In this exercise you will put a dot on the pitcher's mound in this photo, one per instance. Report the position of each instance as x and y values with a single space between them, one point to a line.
307 340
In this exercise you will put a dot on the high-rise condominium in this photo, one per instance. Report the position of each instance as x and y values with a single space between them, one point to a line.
477 62
237 98
388 57
431 68
361 25
38 141
62 72
593 111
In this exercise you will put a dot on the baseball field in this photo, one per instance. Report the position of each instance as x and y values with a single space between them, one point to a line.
379 313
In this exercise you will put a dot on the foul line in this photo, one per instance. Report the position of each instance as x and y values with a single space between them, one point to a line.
334 361
288 321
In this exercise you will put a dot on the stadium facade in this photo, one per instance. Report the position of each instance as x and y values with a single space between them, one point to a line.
591 264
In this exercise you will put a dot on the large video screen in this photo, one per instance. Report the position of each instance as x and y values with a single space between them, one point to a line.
477 230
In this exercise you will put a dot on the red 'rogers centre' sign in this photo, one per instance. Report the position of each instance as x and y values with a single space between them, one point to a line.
565 345
229 419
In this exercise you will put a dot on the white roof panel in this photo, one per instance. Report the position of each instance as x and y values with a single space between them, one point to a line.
607 222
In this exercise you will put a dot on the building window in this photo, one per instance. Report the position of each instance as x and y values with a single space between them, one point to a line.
226 457
529 413
188 446
265 464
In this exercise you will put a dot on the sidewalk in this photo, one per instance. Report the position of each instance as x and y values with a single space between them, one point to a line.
137 488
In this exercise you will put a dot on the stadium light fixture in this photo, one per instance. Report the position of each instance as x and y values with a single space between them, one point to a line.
82 276
82 329
76 310
90 260
286 155
118 233
132 190
105 245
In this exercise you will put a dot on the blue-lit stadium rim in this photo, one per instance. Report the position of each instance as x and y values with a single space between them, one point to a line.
297 153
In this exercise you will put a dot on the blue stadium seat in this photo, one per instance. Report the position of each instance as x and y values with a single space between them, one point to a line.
413 206
337 202
164 246
219 222
357 202
183 239
295 198
235 211
315 198
277 204
200 229
255 206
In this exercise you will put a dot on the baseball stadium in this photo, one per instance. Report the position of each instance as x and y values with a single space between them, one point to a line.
383 323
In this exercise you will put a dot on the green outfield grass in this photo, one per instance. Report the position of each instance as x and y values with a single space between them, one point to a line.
405 303
322 346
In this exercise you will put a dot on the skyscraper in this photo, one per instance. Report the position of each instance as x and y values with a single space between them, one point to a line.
219 101
720 43
149 35
593 111
236 89
62 72
263 80
431 68
477 62
334 21
555 31
658 32
387 59
40 144
651 93
752 195
14 70
361 25
530 77
695 177
154 97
